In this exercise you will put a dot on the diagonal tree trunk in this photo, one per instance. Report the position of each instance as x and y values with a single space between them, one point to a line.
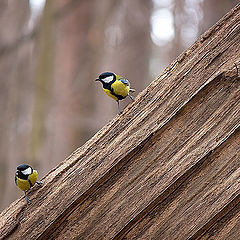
167 168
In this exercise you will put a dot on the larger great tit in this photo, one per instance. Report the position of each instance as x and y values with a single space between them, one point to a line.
115 86
25 178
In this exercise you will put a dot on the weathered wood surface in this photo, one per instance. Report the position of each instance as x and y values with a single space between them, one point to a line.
167 168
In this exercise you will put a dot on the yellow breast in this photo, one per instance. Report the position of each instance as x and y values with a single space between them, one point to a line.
24 184
108 92
120 88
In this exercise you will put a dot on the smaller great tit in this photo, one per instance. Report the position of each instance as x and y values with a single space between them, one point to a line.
25 178
115 87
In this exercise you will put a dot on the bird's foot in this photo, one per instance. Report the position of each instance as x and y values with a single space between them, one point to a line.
39 183
27 198
132 98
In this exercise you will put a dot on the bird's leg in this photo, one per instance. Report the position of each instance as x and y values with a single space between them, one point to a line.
236 68
39 183
119 111
132 98
27 198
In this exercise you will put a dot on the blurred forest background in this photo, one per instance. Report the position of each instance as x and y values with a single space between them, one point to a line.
51 53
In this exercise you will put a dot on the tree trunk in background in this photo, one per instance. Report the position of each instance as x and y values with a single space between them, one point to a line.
15 94
177 43
43 71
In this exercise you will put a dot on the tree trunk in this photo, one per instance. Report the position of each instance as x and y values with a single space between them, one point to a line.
15 96
167 168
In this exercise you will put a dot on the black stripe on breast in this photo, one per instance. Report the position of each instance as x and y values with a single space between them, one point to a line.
30 182
119 97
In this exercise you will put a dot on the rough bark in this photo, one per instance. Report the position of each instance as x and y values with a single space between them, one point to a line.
167 168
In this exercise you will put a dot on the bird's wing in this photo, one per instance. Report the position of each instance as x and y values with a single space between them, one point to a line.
124 81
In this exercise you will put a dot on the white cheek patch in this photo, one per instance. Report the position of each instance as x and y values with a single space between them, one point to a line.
27 171
108 79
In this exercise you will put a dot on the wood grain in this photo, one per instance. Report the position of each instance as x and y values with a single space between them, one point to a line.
167 168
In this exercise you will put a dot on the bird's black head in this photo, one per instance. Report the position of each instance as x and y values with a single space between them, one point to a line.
23 171
106 78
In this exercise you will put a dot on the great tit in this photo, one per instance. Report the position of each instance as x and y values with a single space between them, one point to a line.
115 86
25 178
